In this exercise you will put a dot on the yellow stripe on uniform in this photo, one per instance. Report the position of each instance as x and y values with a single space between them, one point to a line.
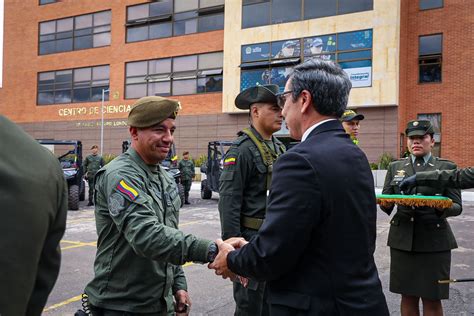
129 188
229 160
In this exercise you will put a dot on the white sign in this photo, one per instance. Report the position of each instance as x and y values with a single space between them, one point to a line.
360 77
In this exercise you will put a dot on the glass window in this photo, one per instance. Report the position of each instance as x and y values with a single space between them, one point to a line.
102 39
181 87
212 60
255 52
159 66
430 70
286 49
209 84
286 11
185 27
256 14
135 91
64 25
137 33
354 40
210 3
137 12
102 18
211 22
46 1
83 42
83 21
319 8
160 8
350 6
160 88
319 44
56 87
430 4
430 44
184 63
254 77
185 5
136 68
48 27
160 30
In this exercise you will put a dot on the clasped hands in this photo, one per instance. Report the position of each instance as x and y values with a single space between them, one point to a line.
220 262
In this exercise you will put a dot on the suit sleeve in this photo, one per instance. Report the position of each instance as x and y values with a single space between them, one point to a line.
455 195
459 178
231 190
50 260
388 189
294 210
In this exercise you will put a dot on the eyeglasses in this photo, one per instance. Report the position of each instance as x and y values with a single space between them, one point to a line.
281 98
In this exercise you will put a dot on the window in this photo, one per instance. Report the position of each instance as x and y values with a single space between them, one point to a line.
174 76
271 63
430 58
80 32
72 85
435 119
46 1
167 18
265 12
430 4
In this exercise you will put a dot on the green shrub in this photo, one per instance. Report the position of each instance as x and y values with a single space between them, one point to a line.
374 166
384 160
200 160
108 157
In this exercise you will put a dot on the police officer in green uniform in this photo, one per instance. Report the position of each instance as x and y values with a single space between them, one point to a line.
351 123
91 165
186 167
245 180
459 178
33 204
140 249
420 238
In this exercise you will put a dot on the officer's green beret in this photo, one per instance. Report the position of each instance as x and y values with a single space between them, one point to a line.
350 115
419 128
148 111
257 94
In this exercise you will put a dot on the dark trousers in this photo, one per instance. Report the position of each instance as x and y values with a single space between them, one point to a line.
187 187
96 311
91 181
250 302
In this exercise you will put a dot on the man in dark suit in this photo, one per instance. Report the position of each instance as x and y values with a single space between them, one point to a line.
315 247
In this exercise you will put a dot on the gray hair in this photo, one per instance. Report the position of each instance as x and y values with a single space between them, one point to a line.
328 84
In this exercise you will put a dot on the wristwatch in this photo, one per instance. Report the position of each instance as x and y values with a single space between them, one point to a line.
212 252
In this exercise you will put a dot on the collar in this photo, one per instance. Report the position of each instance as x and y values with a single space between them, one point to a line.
426 158
136 157
309 130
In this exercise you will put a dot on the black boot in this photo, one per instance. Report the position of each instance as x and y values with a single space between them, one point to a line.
90 203
186 198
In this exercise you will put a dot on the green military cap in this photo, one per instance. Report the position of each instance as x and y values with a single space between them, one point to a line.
257 94
148 111
350 115
419 128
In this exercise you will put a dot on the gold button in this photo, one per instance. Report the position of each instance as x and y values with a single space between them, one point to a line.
412 219
437 225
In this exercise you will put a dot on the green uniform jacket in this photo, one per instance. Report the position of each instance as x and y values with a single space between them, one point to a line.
139 249
243 186
459 178
187 169
92 164
420 229
33 208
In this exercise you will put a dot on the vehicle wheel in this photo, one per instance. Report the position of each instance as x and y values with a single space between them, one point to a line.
206 193
73 202
82 192
181 193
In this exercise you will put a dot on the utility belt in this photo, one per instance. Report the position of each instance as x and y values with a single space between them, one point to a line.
251 222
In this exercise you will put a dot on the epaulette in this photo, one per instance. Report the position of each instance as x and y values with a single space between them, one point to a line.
242 137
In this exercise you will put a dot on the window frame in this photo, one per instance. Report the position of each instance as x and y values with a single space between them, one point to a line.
72 86
302 12
51 1
431 8
171 77
427 57
200 14
73 37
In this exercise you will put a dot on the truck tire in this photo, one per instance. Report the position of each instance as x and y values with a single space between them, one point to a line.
73 201
206 193
181 193
82 191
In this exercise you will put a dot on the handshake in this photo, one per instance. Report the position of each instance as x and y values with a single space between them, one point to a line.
220 262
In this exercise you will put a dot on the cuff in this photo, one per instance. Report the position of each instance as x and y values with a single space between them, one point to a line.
199 252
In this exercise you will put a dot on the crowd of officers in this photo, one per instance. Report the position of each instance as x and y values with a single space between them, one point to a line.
140 249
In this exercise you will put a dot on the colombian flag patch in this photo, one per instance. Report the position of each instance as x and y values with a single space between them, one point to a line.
229 161
127 190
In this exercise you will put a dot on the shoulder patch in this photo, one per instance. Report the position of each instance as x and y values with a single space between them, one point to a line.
116 204
127 190
230 161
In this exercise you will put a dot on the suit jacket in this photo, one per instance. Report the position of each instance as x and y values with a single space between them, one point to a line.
421 229
316 245
33 210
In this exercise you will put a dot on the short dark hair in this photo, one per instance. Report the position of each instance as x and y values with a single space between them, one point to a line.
94 146
327 83
185 153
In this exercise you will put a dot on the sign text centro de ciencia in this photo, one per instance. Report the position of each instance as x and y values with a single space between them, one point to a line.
95 110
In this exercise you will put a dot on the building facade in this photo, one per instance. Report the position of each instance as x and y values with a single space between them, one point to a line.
73 68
